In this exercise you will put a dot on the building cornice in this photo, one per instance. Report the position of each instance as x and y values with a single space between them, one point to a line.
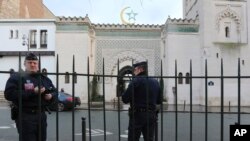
23 53
25 20
84 20
182 25
126 27
130 30
182 21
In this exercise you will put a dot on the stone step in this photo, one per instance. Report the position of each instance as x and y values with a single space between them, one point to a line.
2 99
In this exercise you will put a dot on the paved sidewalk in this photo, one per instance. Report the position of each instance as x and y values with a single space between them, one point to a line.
4 104
169 108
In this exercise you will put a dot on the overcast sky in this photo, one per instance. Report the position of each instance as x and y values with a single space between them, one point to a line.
111 11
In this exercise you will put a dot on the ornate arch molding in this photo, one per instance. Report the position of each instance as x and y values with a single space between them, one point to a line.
125 56
228 13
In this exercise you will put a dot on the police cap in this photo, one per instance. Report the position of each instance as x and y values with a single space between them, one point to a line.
31 56
141 64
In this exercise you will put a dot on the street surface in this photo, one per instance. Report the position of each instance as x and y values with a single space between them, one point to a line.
8 130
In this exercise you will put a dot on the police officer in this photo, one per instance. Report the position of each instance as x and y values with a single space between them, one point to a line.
143 94
33 87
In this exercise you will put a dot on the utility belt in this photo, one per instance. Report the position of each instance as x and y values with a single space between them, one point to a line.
15 111
32 110
142 110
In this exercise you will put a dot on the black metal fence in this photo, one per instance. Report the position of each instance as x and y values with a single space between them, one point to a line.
161 120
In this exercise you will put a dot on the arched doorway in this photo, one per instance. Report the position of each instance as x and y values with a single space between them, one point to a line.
124 77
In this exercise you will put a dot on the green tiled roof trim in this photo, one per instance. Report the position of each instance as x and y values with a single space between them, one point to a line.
71 27
129 33
182 28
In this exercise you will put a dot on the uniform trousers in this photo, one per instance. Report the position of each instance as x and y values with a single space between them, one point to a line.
30 126
142 123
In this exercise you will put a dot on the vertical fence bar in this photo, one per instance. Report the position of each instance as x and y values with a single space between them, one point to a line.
83 129
103 89
118 96
89 113
176 105
191 101
206 99
57 85
73 94
162 90
239 92
229 104
132 108
39 102
147 100
222 101
184 107
156 130
20 98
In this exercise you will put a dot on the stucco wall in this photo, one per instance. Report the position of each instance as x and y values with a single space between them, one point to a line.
182 47
71 44
23 27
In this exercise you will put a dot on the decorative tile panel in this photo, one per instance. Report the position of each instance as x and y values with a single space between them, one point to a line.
124 49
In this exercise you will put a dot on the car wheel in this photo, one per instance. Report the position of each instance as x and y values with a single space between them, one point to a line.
60 107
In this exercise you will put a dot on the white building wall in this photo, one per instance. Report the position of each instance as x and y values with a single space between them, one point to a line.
247 19
6 64
229 49
213 16
182 47
23 26
69 44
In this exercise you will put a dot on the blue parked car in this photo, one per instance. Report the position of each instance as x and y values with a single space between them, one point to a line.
65 102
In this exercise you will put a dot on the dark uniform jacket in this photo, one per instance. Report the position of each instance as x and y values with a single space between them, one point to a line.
30 100
141 91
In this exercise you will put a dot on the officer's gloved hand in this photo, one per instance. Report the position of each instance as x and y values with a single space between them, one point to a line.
36 90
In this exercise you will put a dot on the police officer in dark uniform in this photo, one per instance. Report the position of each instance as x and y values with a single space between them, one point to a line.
34 86
143 94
